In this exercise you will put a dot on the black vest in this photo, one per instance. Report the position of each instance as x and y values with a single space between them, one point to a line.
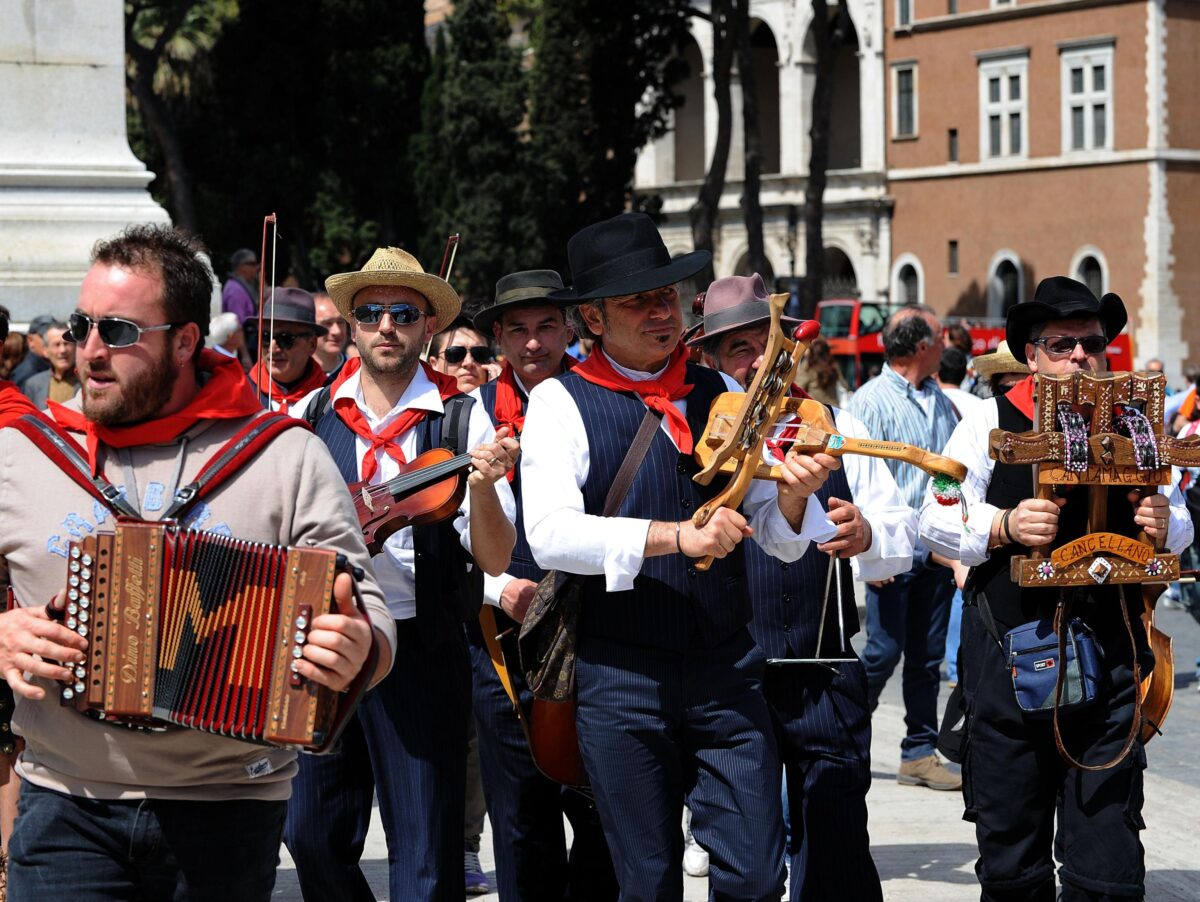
787 597
448 593
672 605
1011 605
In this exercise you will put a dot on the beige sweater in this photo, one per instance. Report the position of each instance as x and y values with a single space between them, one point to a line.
290 494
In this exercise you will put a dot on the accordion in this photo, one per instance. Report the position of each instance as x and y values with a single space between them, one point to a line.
198 630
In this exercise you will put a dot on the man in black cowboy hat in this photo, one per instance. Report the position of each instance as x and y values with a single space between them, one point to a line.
525 807
669 706
815 685
1014 782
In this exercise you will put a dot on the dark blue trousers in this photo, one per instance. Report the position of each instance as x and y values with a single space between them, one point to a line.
526 808
95 850
660 728
824 733
909 616
407 745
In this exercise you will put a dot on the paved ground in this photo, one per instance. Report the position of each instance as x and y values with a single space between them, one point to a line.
923 849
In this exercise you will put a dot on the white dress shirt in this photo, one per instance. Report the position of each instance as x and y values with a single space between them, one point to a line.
554 467
941 526
395 565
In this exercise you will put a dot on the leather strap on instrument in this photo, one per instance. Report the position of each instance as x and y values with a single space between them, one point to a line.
632 462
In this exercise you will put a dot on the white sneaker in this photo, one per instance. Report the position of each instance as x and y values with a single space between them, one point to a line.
695 859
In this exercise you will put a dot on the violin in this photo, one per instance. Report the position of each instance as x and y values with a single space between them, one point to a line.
428 489
1157 689
807 426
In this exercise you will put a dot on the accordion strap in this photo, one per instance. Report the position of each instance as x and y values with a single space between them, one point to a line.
54 442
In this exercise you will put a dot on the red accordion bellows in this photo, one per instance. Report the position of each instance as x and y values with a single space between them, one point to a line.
199 630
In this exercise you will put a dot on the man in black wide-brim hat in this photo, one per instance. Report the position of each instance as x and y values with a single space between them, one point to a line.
667 676
1014 782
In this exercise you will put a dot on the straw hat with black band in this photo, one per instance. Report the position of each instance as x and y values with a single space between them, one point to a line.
1000 360
392 267
530 288
622 256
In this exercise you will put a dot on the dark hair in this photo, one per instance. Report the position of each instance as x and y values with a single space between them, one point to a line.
821 364
460 322
170 254
904 332
960 337
4 317
575 320
953 367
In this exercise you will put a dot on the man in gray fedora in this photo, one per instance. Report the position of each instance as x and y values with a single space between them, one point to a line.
286 371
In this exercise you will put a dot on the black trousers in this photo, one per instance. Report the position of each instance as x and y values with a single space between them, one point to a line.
1028 806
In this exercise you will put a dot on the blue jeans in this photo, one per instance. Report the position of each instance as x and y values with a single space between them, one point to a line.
909 616
88 850
953 635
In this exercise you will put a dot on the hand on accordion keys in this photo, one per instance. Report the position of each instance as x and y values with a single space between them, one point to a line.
30 642
338 644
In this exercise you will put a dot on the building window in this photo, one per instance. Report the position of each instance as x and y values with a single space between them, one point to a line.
910 284
1004 286
1091 274
904 100
953 145
951 7
1003 105
903 12
1087 92
952 265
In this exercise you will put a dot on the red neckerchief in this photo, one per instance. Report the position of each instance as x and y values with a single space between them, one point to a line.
510 408
313 378
225 396
776 445
1021 396
13 404
657 393
347 410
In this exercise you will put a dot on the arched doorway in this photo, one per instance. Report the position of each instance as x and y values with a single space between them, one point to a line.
1091 274
689 116
839 279
765 55
1004 285
908 285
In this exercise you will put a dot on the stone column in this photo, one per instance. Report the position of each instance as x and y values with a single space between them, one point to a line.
67 175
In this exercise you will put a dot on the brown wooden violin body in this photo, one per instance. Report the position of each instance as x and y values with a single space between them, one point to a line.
814 432
1158 688
428 489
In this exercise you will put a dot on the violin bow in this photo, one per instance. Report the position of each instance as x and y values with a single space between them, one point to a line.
762 406
270 220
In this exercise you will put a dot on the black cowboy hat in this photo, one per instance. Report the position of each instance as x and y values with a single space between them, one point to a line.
1061 298
623 255
519 289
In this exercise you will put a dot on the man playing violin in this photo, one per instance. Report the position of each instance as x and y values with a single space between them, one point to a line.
526 808
669 707
408 743
1014 783
111 812
814 683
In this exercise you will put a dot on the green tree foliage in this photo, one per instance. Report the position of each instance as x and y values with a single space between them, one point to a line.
601 89
474 175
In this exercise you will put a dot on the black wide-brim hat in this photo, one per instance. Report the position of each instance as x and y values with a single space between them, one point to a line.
1061 298
530 288
620 256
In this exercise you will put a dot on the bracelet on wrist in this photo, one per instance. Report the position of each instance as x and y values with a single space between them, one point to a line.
678 544
1004 530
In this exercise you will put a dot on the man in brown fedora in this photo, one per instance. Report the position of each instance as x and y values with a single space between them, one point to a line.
286 371
526 808
407 744
815 684
669 706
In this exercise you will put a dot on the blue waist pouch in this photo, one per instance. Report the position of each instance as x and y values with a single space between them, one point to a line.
1032 653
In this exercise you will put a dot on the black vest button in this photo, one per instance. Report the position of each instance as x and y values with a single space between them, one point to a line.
692 571
680 467
784 565
685 504
787 599
787 627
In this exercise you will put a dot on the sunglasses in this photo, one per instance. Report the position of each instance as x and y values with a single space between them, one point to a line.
1061 345
457 354
114 331
401 314
284 340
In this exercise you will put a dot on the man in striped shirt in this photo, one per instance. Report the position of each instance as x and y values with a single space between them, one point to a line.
909 615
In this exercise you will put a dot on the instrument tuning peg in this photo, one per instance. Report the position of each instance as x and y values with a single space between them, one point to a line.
698 304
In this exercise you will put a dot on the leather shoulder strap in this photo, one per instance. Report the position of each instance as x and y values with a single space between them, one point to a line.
633 460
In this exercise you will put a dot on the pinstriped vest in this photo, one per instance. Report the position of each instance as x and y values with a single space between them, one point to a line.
787 597
671 605
446 593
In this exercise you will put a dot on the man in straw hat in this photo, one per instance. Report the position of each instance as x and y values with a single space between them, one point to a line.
526 808
1014 783
669 706
819 710
408 743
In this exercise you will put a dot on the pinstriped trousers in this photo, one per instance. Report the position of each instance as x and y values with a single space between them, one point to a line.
658 728
407 745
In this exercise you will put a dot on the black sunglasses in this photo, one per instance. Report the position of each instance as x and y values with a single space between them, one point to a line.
114 331
457 354
1064 344
285 340
401 314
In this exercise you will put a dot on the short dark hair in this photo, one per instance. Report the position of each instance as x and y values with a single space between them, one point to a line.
960 337
905 331
576 321
460 322
953 367
4 317
171 254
